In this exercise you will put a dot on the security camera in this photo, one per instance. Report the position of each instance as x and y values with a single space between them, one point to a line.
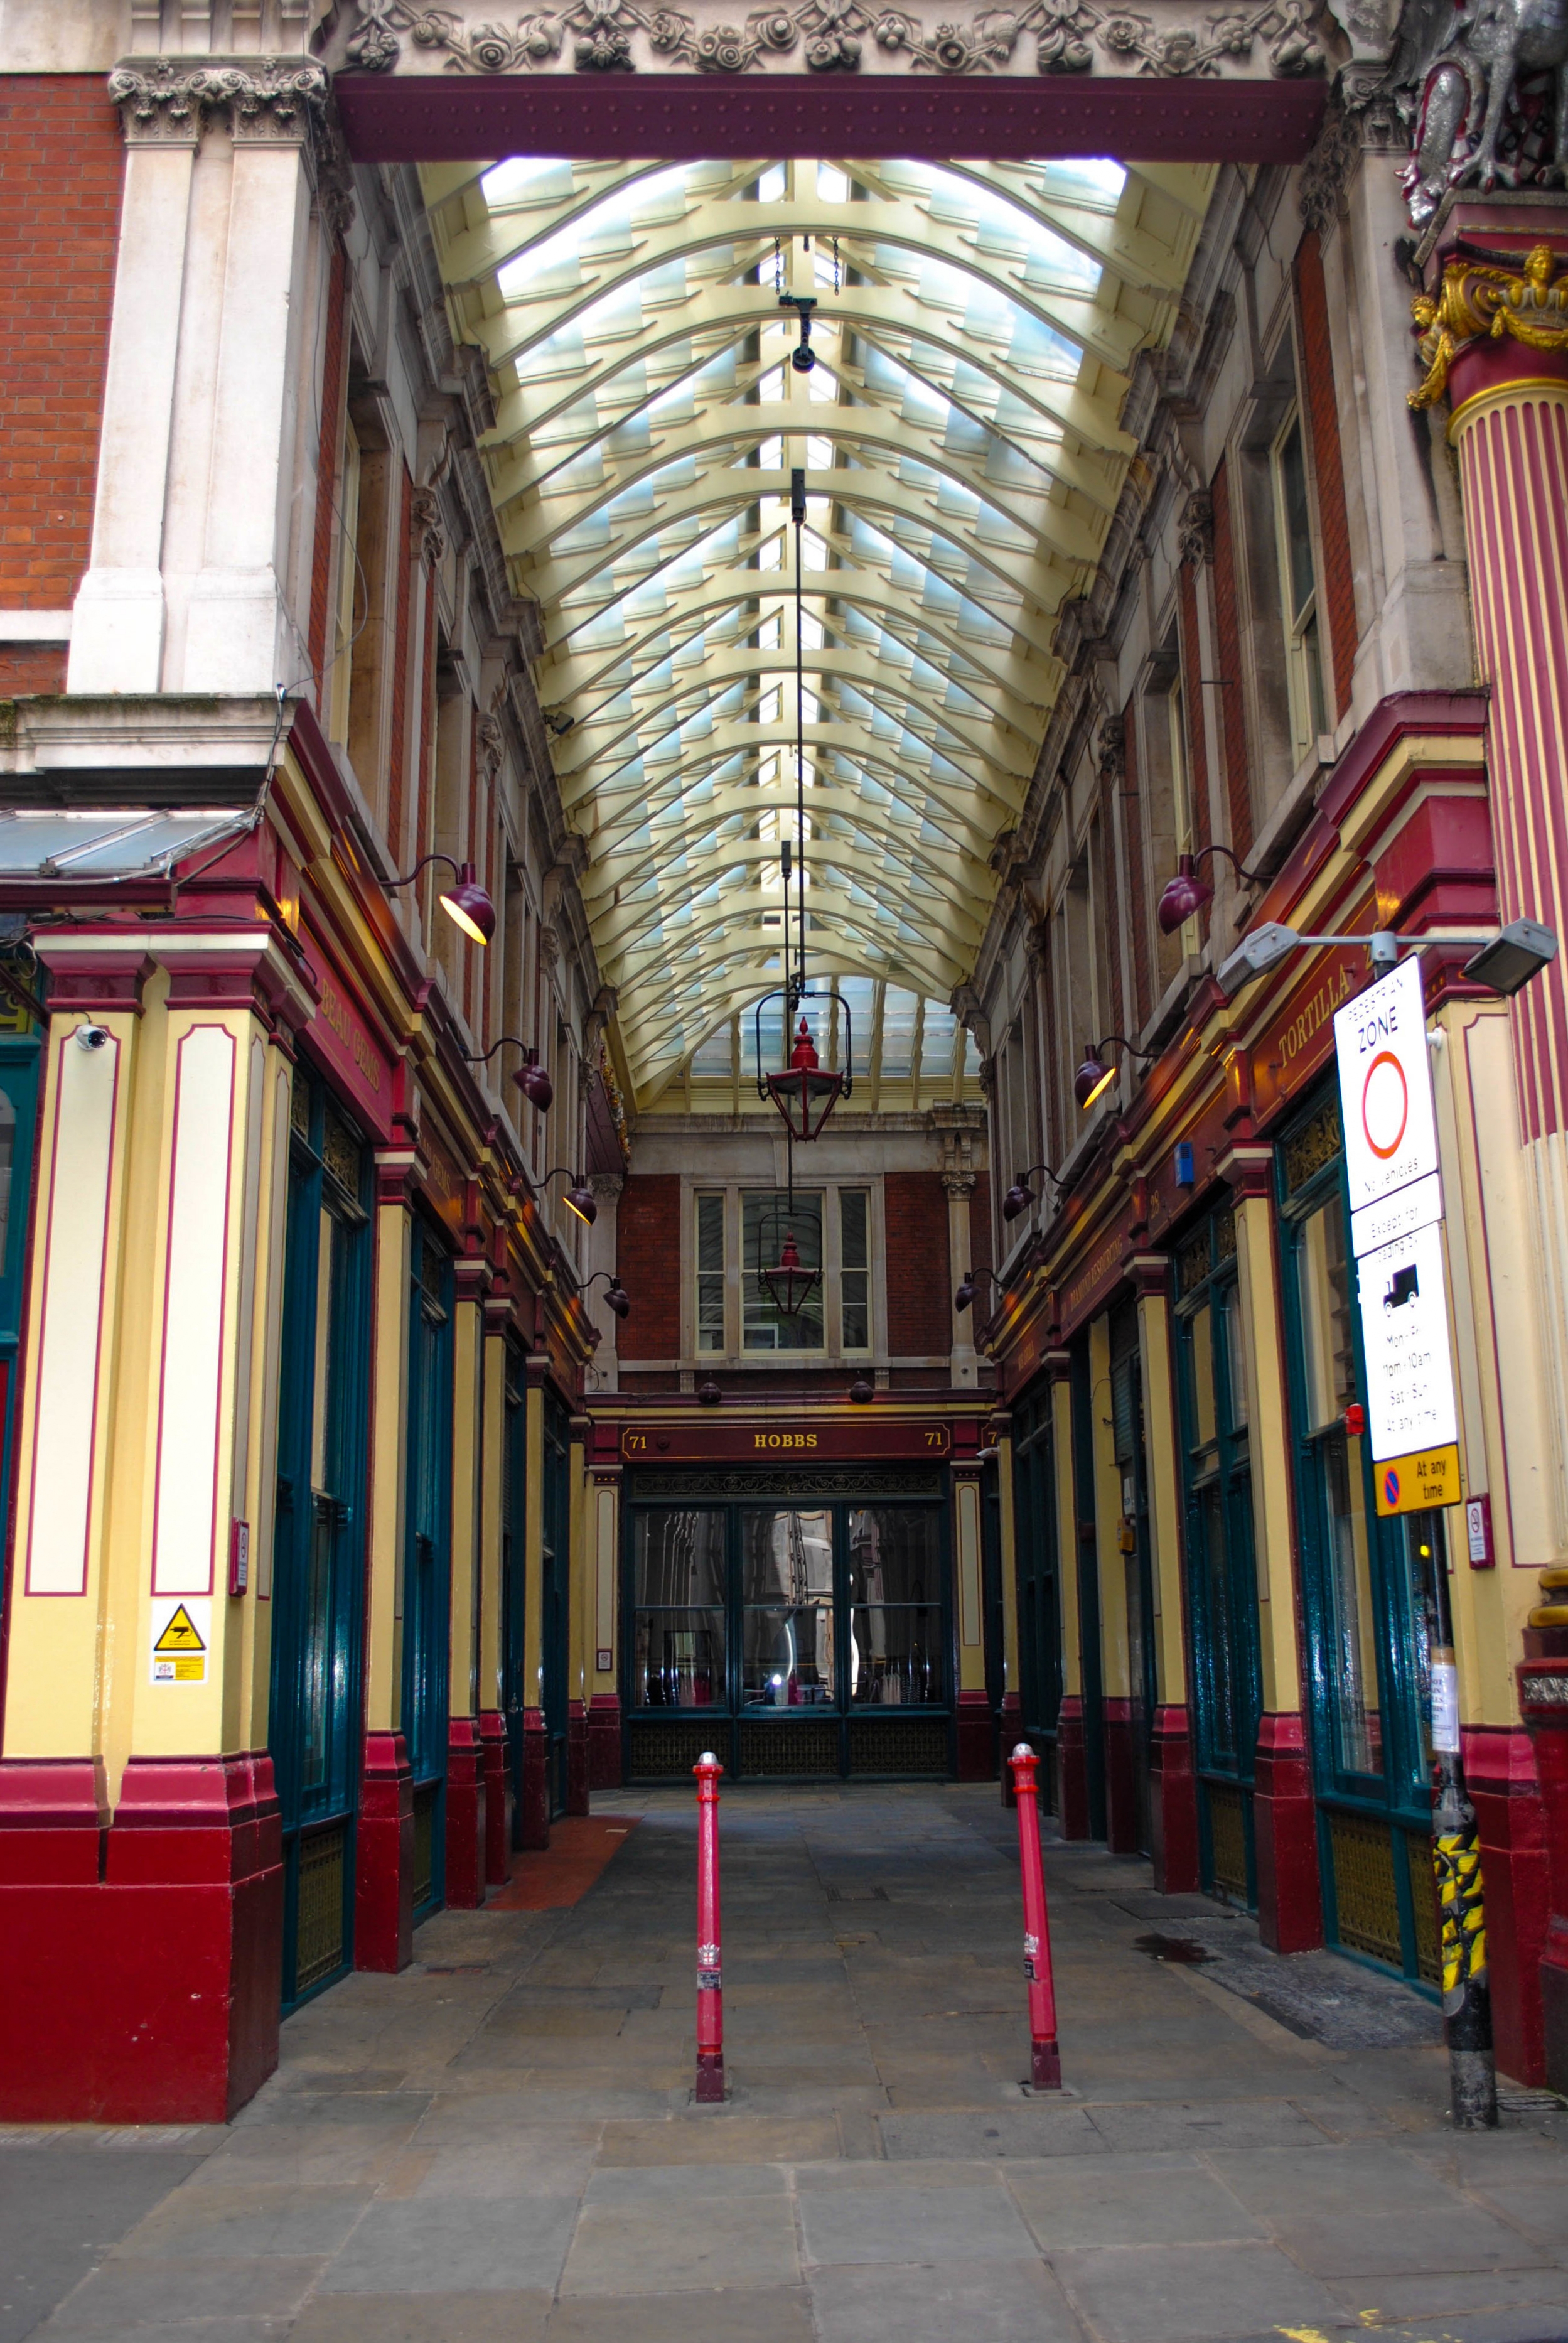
91 1037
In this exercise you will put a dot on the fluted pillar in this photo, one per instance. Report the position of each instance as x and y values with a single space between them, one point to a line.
1509 426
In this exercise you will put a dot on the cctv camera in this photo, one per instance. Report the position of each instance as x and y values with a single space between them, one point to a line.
91 1037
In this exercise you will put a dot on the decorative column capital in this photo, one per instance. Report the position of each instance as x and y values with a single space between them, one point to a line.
163 101
959 1184
606 1185
1195 529
1489 328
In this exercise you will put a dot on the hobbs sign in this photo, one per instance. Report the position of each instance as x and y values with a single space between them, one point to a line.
1396 1237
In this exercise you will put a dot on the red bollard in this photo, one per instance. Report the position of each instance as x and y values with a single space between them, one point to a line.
1045 2061
710 1961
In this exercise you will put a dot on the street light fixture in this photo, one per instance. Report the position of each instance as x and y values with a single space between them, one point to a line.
578 1198
465 901
1020 1195
969 1287
616 1295
1187 892
1096 1074
530 1076
1503 961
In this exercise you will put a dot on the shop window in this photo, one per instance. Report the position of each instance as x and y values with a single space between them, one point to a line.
710 1273
1222 1585
1370 1587
854 1269
767 1219
1298 589
677 1613
829 1619
317 1575
427 1551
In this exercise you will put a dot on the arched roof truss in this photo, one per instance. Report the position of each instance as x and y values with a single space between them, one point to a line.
974 328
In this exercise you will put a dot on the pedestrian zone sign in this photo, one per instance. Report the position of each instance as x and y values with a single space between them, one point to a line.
1390 1126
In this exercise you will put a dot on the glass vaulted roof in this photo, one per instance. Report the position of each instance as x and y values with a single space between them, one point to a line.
973 329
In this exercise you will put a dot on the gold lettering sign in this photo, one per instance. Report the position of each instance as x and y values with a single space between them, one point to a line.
785 1440
334 1011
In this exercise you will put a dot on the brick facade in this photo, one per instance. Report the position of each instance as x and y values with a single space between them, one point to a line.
59 223
1328 468
920 1280
647 1255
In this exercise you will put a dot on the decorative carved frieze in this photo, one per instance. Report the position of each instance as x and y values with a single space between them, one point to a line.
490 745
1111 753
840 35
1478 297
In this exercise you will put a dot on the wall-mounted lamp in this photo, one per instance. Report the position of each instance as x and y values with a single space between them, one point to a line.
1503 961
1187 893
1096 1074
1020 1195
616 1295
579 1197
969 1286
530 1076
465 901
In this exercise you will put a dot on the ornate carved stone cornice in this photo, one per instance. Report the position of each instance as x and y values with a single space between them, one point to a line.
1276 37
1195 529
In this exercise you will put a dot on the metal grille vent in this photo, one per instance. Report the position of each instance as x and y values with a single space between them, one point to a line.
1423 1905
659 1753
914 1744
319 1936
1366 1898
1228 1841
790 1750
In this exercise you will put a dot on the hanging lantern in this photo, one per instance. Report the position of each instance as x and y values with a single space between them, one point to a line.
804 1094
790 1284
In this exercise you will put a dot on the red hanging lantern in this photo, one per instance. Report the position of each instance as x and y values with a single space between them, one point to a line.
804 1094
790 1282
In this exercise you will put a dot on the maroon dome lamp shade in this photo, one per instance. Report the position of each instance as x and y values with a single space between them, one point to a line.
530 1076
465 901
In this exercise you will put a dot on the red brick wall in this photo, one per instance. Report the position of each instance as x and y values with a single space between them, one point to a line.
1232 714
920 1279
1327 467
59 222
647 1255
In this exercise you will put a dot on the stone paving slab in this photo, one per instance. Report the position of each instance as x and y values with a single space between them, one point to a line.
502 2142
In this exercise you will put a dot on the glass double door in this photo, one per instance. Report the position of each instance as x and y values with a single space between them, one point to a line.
787 1617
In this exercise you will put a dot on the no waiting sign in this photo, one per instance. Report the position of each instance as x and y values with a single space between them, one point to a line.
1385 1087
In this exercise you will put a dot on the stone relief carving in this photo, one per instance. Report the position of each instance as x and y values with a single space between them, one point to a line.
1195 528
833 36
426 514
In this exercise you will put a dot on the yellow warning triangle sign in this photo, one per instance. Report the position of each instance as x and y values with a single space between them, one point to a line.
180 1635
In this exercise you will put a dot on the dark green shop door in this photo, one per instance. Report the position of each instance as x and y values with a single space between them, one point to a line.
319 1543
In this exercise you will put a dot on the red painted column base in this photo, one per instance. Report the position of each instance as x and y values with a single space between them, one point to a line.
976 1738
1044 2067
466 1804
142 1961
1510 1813
1120 1782
383 1857
1071 1769
1286 1837
1173 1804
604 1742
498 1798
577 1759
1010 1731
536 1805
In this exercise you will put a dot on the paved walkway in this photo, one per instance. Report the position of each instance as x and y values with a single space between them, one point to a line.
501 2143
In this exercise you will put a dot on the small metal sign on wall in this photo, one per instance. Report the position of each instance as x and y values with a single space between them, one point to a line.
1390 1126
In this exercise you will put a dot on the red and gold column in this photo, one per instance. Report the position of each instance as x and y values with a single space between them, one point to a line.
1497 346
141 1882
